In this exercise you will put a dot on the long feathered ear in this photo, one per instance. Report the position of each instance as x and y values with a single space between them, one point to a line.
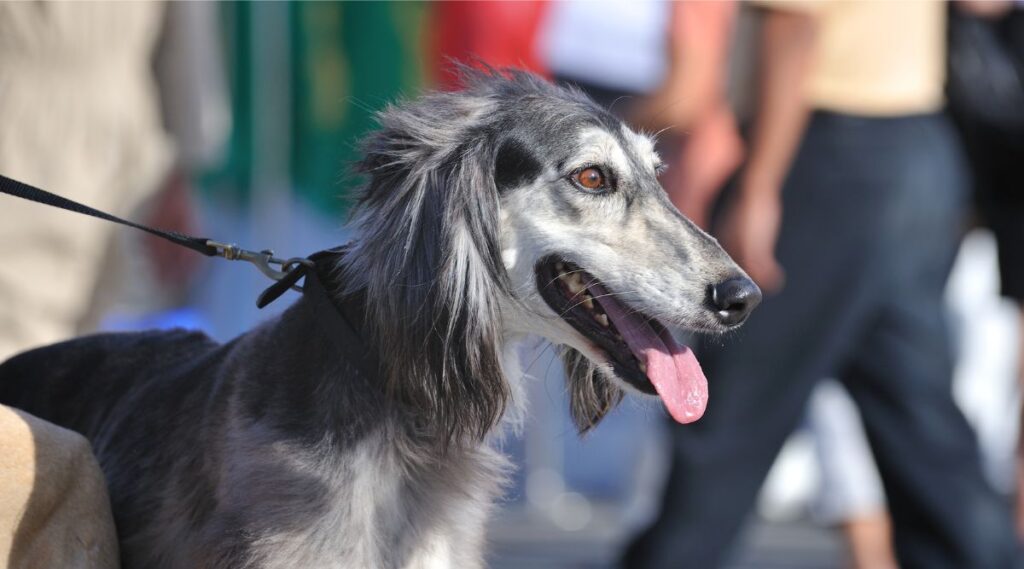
428 259
591 397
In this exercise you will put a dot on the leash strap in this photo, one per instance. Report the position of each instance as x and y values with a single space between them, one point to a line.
287 277
32 193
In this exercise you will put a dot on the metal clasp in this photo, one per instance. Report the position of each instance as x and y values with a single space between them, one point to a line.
262 259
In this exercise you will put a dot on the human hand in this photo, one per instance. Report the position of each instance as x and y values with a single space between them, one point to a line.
749 233
985 9
709 155
172 209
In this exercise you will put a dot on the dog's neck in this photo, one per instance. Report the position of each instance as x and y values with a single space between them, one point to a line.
435 321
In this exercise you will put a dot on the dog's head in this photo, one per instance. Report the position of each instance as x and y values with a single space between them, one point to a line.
517 207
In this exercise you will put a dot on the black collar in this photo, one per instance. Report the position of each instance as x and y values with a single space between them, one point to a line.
339 318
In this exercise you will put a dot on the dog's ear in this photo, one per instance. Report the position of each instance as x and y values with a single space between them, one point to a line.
591 396
514 165
429 260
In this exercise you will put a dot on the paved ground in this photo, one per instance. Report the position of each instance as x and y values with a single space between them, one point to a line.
519 541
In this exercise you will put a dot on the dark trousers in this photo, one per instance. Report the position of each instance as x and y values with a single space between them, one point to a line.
871 223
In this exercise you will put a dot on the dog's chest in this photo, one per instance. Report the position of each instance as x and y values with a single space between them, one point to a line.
380 512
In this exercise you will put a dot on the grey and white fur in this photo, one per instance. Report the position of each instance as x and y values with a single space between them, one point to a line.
279 449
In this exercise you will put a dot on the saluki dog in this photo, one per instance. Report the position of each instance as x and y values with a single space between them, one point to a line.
356 429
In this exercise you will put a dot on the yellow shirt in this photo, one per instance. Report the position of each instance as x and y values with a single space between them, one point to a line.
877 57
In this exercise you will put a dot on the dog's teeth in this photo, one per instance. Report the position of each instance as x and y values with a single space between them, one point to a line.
575 284
643 367
588 302
602 319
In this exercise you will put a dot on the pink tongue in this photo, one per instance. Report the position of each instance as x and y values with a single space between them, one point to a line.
671 367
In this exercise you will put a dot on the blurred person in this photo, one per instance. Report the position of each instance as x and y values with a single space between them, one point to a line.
849 210
82 118
987 99
192 91
692 100
690 105
144 279
135 105
628 61
986 89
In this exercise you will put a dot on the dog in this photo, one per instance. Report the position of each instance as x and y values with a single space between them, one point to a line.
356 429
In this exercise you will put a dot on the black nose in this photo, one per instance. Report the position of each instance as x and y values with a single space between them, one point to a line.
733 299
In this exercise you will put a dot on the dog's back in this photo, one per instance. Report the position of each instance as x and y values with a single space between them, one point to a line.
77 384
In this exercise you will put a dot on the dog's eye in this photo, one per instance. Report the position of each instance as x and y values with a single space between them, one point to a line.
590 178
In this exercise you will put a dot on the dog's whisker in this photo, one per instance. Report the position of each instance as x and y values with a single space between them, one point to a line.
658 134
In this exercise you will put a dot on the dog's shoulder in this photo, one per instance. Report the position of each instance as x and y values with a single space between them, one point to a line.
87 352
57 382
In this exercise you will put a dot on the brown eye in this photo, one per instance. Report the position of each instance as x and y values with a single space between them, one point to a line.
590 178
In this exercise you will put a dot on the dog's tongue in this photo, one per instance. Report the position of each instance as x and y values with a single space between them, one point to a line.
671 367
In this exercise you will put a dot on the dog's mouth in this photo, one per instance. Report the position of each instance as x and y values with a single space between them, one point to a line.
639 348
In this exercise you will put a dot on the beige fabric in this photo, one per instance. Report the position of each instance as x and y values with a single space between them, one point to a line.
877 57
80 118
54 509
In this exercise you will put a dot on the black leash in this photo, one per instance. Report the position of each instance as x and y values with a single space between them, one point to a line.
291 270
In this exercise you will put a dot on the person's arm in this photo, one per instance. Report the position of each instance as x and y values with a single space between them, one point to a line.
787 46
985 9
690 105
696 59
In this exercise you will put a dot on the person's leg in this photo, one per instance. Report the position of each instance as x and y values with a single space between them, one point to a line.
995 157
851 497
869 538
1019 498
944 512
760 377
1005 216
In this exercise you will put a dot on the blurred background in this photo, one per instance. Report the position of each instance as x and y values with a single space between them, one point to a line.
237 121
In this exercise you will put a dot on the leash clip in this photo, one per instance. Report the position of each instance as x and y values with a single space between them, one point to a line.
262 260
